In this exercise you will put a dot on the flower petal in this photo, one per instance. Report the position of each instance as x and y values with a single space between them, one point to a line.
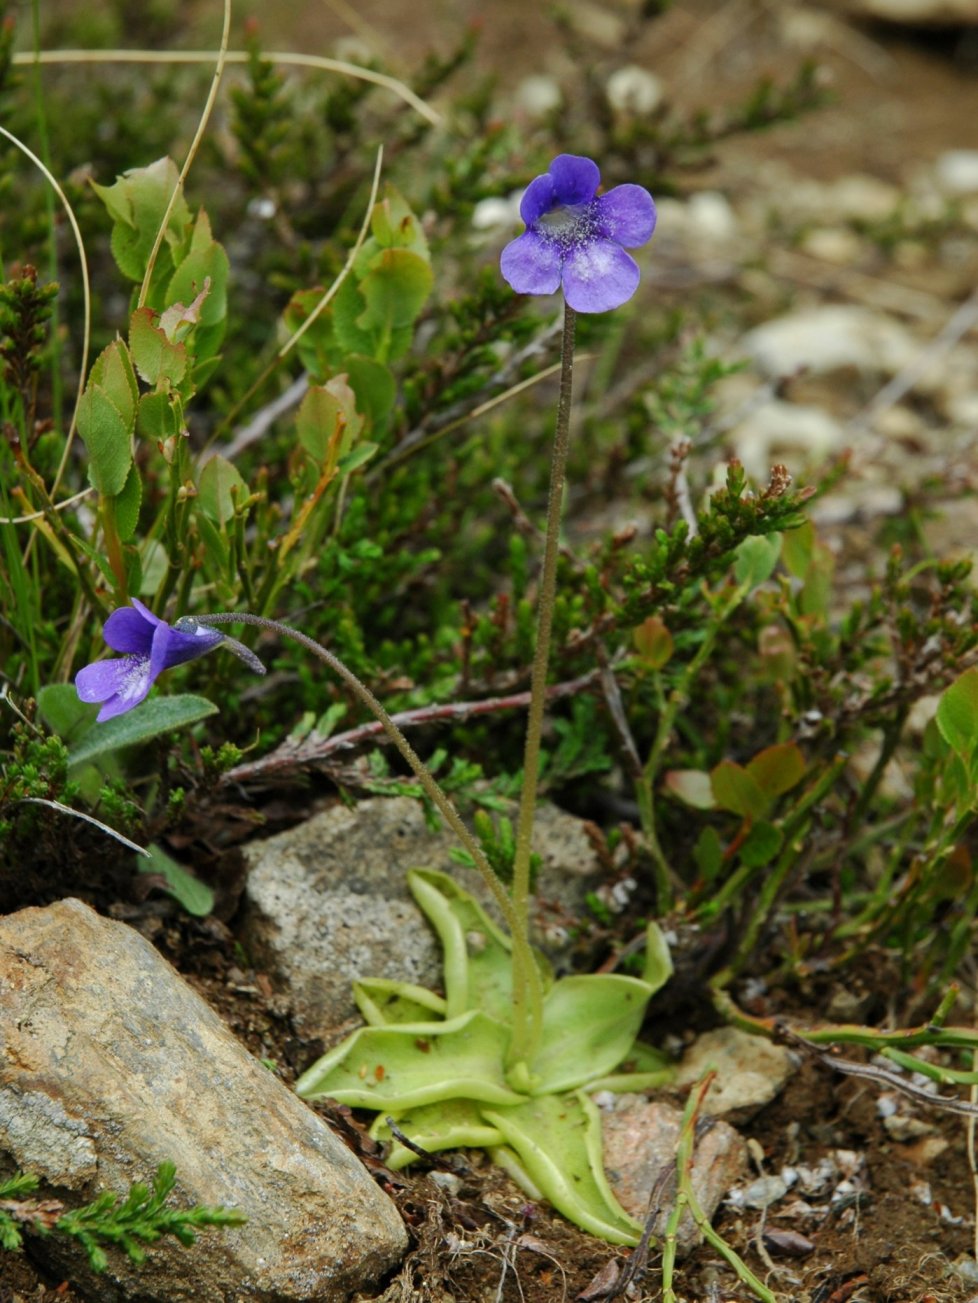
575 178
537 199
599 276
627 214
130 629
121 684
531 265
183 645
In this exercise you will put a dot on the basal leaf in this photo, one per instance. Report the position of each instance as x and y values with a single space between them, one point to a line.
590 1022
477 963
455 1124
387 1003
557 1142
386 1067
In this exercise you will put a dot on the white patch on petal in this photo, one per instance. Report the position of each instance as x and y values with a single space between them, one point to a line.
594 262
132 680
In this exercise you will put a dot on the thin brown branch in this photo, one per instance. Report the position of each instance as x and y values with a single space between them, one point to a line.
315 749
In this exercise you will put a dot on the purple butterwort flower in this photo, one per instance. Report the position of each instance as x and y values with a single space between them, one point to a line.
576 240
150 646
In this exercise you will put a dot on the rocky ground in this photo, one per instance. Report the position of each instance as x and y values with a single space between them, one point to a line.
840 256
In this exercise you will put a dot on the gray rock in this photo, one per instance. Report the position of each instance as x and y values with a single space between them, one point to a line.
327 902
777 431
824 339
640 1137
751 1071
932 13
110 1064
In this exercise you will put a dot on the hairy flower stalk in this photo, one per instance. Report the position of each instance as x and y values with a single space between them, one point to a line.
575 240
441 801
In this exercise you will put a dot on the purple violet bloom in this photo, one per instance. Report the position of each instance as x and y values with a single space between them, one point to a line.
576 240
150 646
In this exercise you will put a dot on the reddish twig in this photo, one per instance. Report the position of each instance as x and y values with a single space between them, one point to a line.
314 749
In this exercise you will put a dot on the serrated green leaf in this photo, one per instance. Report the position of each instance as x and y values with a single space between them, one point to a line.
113 372
327 421
207 263
797 549
156 358
777 769
126 505
219 487
735 790
347 307
761 844
394 291
136 202
708 853
374 387
195 896
394 226
108 440
155 717
653 642
755 559
957 713
215 542
160 417
357 457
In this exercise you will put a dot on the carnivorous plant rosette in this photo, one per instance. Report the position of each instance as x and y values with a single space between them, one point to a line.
576 239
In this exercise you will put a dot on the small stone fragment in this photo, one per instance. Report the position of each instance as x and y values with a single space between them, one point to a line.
751 1071
791 1244
640 1138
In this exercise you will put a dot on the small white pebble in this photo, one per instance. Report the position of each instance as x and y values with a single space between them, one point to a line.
539 95
956 171
634 90
262 207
